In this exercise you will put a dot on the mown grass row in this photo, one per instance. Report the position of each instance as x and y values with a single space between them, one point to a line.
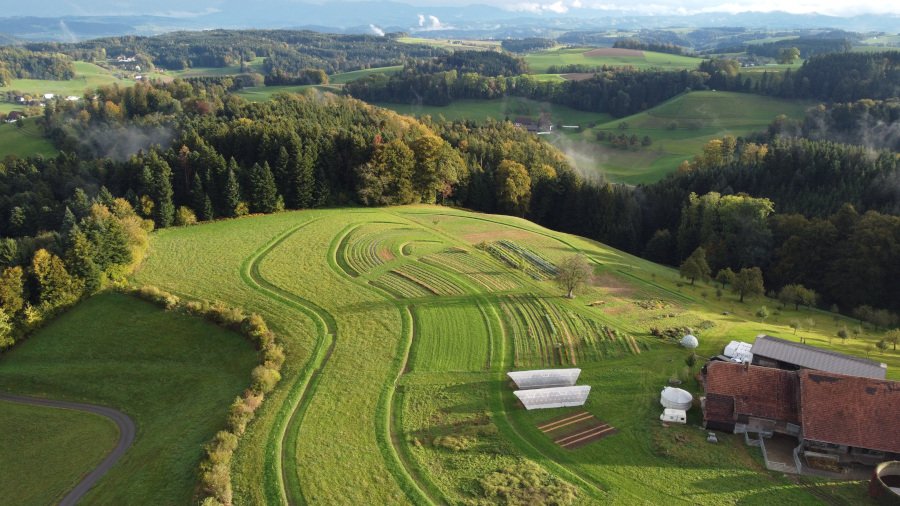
482 272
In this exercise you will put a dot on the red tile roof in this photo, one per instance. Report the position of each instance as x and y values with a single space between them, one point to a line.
760 392
852 411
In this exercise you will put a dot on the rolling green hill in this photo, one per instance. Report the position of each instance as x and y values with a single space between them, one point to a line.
400 323
539 61
678 128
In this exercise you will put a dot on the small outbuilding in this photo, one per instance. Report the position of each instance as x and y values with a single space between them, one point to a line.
676 398
673 415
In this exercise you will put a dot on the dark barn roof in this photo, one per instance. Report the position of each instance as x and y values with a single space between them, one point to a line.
851 411
761 392
810 357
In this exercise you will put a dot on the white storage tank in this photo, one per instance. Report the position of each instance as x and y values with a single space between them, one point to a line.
676 398
690 342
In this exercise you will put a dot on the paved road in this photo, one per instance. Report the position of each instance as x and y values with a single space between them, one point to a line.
126 437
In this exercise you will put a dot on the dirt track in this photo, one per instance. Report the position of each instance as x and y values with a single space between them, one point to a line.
126 437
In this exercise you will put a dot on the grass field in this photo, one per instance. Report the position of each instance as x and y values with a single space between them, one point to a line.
500 109
173 374
24 141
399 331
88 76
454 44
46 451
538 62
678 128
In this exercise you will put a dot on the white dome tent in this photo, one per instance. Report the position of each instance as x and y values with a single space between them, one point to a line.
676 398
690 342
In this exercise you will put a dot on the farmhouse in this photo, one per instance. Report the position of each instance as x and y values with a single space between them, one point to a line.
14 116
838 420
771 351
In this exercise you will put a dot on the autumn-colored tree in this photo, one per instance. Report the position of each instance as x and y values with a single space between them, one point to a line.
513 187
574 271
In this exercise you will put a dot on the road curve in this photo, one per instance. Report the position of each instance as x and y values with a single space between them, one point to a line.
126 438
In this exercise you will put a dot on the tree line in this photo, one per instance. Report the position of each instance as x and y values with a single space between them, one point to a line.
659 47
527 45
287 50
298 151
17 63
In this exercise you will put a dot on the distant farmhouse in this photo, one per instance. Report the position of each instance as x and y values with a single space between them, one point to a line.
840 409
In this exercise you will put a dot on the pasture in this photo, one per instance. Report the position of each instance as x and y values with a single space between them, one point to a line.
173 374
540 61
400 323
46 451
24 141
500 109
678 129
88 76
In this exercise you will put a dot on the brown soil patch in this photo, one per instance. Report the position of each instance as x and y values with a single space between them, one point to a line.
576 430
617 310
614 51
496 235
613 285
385 255
581 76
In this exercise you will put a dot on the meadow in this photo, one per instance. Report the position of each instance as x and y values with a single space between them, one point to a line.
88 76
400 324
678 129
46 451
540 61
26 140
173 374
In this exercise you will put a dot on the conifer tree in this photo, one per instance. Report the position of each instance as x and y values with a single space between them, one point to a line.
263 195
231 191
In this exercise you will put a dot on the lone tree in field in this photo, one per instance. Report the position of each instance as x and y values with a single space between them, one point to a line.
893 336
725 276
797 295
748 283
695 266
574 271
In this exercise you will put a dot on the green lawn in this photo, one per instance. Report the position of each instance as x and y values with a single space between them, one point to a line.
678 129
346 77
24 141
453 44
175 375
409 329
500 109
46 451
253 66
538 62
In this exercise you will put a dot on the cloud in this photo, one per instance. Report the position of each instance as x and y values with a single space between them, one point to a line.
377 31
558 7
577 4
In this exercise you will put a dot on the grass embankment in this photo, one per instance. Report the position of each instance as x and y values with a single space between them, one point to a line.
540 61
46 451
410 296
678 129
27 140
173 374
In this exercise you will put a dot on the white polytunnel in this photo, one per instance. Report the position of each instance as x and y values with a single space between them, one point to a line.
544 378
557 397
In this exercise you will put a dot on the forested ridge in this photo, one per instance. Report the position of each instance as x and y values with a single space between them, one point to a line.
287 51
16 63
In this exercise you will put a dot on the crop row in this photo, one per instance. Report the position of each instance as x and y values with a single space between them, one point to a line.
401 286
431 281
547 334
523 259
477 269
363 250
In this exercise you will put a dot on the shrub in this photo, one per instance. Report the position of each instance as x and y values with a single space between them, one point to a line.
454 442
264 378
527 483
185 217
